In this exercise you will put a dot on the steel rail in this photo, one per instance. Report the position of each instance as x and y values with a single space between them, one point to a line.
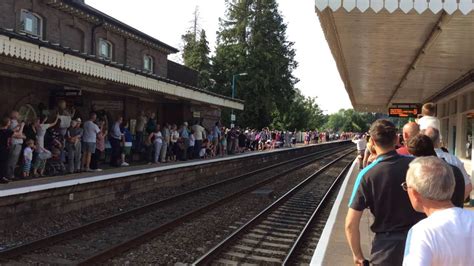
54 238
206 258
307 228
128 244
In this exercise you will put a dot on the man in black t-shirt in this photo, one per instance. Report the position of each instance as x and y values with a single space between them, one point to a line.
377 187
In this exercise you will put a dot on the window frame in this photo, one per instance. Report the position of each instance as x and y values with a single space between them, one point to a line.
111 49
24 14
152 63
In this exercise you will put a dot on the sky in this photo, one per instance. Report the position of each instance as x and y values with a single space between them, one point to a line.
167 20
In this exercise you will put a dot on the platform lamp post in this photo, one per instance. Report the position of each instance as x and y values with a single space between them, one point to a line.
234 78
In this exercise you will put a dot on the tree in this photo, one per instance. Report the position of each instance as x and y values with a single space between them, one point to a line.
304 113
252 39
350 121
196 53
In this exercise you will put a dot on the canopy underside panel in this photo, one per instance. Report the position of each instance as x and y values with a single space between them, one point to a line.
386 58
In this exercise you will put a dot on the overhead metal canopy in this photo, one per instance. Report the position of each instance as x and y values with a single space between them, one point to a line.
398 57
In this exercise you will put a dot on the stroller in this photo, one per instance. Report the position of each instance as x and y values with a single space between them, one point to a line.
54 166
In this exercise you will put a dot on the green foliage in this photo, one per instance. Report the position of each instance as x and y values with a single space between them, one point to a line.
349 121
252 39
303 114
196 55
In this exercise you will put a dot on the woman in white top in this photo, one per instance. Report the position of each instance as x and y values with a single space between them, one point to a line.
174 142
40 128
157 142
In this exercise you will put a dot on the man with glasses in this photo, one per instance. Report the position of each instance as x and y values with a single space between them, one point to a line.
377 187
446 237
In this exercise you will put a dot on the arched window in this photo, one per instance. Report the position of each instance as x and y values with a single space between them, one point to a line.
31 23
148 63
105 49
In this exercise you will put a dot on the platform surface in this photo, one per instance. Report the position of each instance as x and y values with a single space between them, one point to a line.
332 248
39 184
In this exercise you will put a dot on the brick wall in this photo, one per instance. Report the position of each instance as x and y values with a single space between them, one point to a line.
182 74
69 31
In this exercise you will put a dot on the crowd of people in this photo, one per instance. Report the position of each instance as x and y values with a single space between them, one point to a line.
64 143
416 191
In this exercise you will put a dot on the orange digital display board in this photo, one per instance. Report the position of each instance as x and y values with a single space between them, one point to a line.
404 110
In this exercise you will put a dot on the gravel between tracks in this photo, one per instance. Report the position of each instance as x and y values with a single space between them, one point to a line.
82 246
189 241
44 226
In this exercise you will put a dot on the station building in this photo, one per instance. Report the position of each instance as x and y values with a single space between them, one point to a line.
403 51
53 50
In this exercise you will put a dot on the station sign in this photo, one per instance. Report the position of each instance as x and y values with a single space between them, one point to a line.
404 110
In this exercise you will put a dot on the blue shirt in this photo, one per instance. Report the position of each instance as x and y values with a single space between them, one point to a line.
127 135
184 133
216 132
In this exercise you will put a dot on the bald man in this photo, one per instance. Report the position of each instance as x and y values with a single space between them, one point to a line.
410 130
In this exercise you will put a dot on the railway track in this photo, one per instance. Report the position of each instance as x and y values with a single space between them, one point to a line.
102 239
275 236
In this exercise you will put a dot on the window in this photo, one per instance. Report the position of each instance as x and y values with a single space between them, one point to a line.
31 23
105 49
148 63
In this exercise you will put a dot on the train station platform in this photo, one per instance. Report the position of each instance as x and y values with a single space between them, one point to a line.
61 194
333 248
18 187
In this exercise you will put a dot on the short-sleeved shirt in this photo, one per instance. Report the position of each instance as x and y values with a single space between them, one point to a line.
174 136
141 123
74 132
361 144
158 137
444 238
453 160
403 150
127 135
199 132
429 121
166 134
115 132
28 154
90 132
216 132
184 133
378 187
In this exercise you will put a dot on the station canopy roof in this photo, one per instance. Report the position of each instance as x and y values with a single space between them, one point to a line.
399 51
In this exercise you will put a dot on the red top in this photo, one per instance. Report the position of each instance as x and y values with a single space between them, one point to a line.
403 151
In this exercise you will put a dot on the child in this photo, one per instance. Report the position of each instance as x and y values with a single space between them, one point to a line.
28 157
202 152
40 162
